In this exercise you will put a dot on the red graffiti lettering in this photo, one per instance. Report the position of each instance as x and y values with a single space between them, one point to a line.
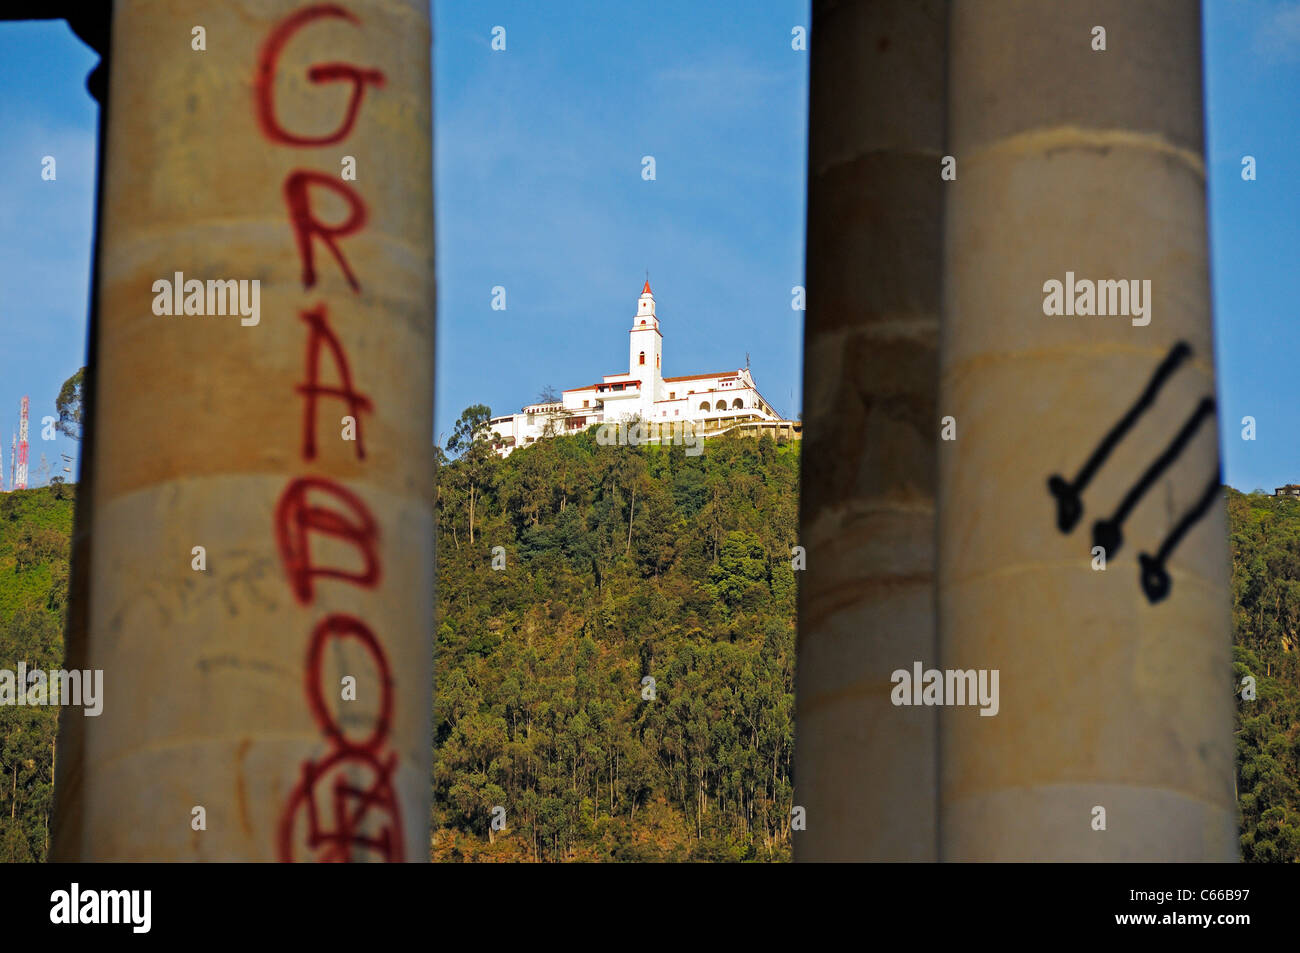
343 804
306 224
323 336
364 817
339 626
264 84
295 519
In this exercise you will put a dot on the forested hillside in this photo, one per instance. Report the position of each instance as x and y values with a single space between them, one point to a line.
620 564
35 528
1265 544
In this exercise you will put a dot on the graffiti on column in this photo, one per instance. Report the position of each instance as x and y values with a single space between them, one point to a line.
344 806
1108 531
1155 579
342 815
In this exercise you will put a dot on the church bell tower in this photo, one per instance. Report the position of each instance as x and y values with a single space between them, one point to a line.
646 350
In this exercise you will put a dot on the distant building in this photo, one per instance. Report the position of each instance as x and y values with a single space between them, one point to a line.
712 403
1291 489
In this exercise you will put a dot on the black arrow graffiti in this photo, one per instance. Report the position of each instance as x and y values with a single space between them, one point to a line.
1069 506
1108 533
1153 575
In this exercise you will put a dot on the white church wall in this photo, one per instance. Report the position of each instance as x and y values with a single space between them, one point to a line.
649 398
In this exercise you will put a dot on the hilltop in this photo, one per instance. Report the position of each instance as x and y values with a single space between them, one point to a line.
616 566
621 564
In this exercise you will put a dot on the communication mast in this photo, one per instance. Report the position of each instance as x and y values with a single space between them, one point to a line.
20 479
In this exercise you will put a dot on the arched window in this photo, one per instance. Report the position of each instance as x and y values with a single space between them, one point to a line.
722 405
704 405
642 361
737 404
643 324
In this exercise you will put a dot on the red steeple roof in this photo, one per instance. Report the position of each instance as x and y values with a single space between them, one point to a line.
646 290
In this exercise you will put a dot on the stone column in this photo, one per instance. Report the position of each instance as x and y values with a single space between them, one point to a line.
1076 164
865 769
286 666
94 29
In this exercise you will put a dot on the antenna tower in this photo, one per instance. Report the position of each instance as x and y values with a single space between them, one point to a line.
20 479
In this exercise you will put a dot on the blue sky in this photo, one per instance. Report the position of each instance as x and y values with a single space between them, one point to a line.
539 190
1252 59
538 174
45 226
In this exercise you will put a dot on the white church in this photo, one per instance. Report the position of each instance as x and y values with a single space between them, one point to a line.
711 404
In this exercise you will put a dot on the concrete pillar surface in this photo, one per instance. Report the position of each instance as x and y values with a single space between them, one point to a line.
865 769
225 688
1114 685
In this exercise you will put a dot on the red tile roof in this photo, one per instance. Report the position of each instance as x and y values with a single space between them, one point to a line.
696 377
631 383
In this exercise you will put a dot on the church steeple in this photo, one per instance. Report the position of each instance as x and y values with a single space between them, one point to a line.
645 309
646 350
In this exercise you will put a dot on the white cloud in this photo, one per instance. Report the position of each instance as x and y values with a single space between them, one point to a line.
1278 34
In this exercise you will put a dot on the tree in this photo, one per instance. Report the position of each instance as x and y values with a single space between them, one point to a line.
1265 545
548 395
470 443
471 428
69 405
741 565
